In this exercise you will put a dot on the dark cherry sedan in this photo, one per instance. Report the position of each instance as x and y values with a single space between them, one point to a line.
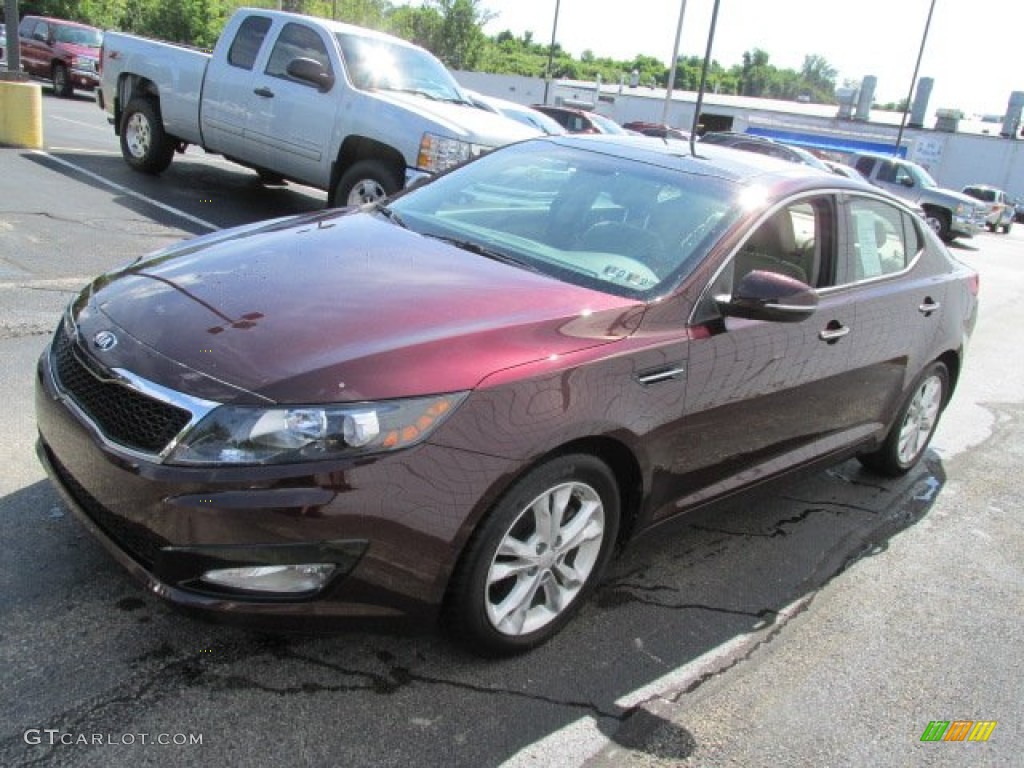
460 403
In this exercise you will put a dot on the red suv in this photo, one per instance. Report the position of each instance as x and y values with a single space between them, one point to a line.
64 52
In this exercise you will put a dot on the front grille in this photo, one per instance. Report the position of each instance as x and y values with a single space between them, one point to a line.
138 541
122 414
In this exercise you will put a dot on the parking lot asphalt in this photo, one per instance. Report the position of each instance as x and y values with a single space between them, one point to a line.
827 623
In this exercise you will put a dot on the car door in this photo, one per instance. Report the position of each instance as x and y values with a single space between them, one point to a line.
292 120
898 300
764 396
34 38
228 89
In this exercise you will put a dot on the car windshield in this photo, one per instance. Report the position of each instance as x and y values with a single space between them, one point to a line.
377 64
606 125
987 195
584 216
91 38
922 176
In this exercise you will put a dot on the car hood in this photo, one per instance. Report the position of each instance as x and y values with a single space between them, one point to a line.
338 307
462 121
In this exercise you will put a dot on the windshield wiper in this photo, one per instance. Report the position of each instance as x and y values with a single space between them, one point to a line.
483 250
389 214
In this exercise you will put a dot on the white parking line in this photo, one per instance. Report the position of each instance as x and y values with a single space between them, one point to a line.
130 192
92 126
572 745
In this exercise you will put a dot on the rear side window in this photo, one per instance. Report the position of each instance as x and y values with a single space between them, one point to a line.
884 239
296 41
246 45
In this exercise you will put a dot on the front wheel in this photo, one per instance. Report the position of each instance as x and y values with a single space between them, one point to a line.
367 181
536 556
61 81
145 145
914 426
939 223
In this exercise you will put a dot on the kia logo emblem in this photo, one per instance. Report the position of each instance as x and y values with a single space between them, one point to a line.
105 341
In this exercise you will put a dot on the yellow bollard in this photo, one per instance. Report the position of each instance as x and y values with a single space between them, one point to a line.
21 114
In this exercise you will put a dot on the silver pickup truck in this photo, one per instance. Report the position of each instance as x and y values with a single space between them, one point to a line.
345 109
951 214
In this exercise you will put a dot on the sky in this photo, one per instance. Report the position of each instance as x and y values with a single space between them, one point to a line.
974 49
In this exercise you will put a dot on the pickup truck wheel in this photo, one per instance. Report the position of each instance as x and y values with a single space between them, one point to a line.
145 145
939 222
365 182
1006 227
61 81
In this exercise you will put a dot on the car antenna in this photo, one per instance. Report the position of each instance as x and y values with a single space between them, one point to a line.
703 81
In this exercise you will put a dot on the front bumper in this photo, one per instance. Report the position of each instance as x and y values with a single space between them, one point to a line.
393 526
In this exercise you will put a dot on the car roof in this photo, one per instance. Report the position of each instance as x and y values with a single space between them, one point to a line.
62 22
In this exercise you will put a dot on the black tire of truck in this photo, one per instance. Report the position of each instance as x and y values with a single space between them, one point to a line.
145 145
61 81
368 181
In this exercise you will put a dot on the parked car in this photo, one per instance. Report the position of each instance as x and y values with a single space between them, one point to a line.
658 130
580 120
844 170
528 116
764 146
64 52
1000 211
949 213
354 112
460 403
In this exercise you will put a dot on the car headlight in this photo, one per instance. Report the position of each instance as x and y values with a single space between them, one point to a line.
289 434
438 153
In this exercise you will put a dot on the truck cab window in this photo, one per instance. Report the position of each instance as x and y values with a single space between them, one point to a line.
296 41
246 45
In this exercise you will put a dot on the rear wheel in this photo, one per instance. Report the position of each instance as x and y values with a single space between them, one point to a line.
536 556
145 145
61 81
914 426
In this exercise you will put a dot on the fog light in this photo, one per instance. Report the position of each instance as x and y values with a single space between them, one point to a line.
303 577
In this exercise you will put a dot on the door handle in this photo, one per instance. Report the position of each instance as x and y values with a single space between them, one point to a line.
928 306
264 92
834 332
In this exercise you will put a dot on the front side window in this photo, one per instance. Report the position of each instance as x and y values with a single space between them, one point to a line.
297 41
884 239
91 38
246 45
612 224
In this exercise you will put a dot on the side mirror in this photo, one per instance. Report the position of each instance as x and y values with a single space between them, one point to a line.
906 181
310 71
769 296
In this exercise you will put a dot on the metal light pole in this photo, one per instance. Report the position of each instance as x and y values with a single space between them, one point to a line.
672 67
551 52
913 80
703 80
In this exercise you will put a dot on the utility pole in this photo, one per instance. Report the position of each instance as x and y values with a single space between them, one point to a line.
672 65
551 52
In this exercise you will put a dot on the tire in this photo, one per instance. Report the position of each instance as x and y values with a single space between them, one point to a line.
61 81
367 181
914 426
1007 227
939 223
517 584
145 145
